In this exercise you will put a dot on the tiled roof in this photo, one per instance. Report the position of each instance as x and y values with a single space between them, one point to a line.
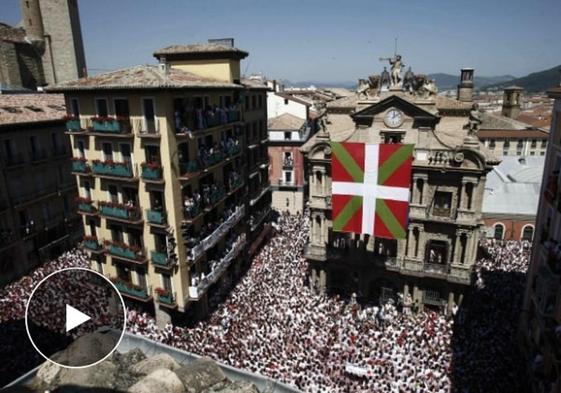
344 102
531 133
286 121
12 34
444 103
254 84
142 77
500 122
200 49
30 108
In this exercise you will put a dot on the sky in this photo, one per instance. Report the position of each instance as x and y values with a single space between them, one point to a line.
325 40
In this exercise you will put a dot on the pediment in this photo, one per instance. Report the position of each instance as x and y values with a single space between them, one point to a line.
409 108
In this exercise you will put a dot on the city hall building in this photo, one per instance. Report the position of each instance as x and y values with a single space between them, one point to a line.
434 263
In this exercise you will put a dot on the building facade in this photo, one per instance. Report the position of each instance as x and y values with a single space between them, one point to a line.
38 218
541 314
287 133
171 162
433 264
48 48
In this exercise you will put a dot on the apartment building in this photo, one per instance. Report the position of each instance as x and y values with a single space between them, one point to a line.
171 161
37 191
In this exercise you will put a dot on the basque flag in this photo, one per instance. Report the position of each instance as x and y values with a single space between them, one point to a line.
370 188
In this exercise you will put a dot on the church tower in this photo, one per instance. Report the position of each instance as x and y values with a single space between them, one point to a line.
54 27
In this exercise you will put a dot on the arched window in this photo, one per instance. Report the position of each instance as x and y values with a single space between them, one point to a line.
499 231
528 233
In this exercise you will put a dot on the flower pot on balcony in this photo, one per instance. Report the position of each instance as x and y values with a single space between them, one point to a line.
116 169
111 126
151 173
73 125
159 258
80 166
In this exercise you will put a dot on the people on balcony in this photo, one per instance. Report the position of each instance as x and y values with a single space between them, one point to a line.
187 119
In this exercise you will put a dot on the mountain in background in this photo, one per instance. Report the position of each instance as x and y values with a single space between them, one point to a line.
346 84
450 82
532 83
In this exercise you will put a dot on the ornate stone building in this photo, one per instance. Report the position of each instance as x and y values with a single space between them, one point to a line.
434 263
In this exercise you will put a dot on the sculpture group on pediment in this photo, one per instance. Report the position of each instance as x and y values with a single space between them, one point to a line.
418 85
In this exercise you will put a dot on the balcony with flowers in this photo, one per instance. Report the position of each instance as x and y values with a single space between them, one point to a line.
129 252
80 166
112 169
151 172
85 206
160 259
122 212
131 290
165 297
72 124
156 217
91 243
111 125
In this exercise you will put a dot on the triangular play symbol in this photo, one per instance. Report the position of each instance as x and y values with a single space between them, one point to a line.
74 318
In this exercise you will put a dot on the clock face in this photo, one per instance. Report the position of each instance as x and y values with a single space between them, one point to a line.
393 118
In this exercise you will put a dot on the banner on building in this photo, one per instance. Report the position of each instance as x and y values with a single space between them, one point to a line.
370 188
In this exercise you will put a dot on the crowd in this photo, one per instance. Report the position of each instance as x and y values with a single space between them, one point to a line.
272 323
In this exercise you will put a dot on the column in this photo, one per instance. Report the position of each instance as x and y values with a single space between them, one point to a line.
457 256
322 281
461 194
471 248
450 302
422 243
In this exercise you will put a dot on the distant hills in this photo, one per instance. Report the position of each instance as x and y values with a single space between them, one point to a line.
535 82
450 82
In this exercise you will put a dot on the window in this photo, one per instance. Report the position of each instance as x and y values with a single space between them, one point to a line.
491 144
542 153
442 204
532 153
126 153
121 107
288 176
520 144
166 282
149 114
288 160
505 153
101 107
113 195
528 233
506 144
124 273
544 143
141 277
534 143
74 107
107 151
392 138
437 252
499 231
286 101
87 189
518 152
287 135
81 149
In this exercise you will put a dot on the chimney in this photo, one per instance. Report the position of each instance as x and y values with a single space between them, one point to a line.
163 66
465 88
511 101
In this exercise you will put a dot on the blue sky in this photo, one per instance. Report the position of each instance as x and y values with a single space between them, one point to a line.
328 40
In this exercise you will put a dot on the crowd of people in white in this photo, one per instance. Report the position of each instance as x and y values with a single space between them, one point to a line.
271 323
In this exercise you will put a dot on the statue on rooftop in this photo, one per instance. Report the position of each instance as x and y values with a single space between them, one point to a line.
368 88
396 66
385 79
408 80
474 121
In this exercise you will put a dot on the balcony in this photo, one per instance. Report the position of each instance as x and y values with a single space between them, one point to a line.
120 212
111 126
73 125
160 259
192 212
156 217
218 269
254 200
212 239
113 170
436 268
130 253
131 290
257 218
151 172
92 244
165 298
80 166
189 169
213 197
85 206
219 117
441 211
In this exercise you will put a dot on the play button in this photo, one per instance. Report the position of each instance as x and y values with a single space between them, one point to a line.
75 306
74 318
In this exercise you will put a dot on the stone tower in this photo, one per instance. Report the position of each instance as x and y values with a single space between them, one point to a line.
465 88
511 101
53 26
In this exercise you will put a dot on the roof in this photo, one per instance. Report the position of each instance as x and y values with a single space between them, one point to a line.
513 186
503 134
254 84
31 108
286 121
12 34
498 121
202 50
445 103
292 98
142 77
554 92
344 102
340 91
